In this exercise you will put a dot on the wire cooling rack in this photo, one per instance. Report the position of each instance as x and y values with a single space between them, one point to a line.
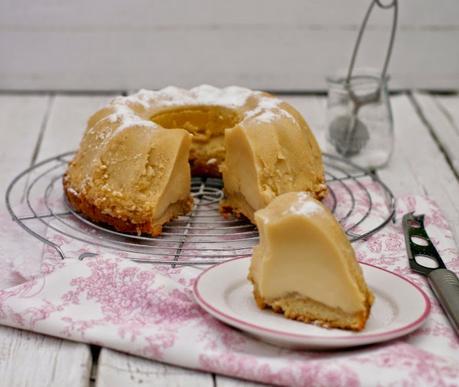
361 202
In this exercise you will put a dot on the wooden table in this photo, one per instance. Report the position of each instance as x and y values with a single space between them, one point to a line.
37 126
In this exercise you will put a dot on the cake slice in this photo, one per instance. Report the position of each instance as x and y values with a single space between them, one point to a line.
305 267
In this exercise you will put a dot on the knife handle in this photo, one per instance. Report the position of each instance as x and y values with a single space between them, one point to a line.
445 285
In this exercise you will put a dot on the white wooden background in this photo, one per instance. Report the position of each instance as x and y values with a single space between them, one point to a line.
267 44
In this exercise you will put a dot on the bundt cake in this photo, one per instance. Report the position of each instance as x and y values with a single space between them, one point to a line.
132 169
305 267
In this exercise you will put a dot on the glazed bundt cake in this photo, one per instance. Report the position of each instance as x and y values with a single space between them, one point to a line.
132 169
305 267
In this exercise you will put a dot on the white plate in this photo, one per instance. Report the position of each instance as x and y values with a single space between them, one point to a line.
223 290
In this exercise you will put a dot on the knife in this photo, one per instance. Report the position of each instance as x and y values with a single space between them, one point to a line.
424 259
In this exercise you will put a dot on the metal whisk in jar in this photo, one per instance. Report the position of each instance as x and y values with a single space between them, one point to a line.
359 118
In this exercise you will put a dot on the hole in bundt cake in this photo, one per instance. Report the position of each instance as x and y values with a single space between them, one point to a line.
207 124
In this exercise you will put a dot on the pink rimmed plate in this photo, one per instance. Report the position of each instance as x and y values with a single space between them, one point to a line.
223 291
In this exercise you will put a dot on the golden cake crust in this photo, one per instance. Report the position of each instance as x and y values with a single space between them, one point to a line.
93 213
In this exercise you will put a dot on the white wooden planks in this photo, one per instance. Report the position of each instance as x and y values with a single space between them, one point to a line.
67 121
21 121
418 166
441 114
289 45
28 359
116 369
450 106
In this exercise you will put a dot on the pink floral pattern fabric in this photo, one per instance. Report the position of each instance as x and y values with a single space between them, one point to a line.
149 311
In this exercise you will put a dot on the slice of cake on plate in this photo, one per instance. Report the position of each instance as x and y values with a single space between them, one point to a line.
305 267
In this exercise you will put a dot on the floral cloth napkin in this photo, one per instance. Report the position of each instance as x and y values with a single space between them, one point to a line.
149 311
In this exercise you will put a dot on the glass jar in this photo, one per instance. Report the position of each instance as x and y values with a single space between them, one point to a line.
359 123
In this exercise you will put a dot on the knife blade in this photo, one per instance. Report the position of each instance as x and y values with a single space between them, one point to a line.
424 259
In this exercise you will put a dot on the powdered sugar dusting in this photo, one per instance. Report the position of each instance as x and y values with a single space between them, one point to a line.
267 116
305 205
127 118
268 110
232 96
137 109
